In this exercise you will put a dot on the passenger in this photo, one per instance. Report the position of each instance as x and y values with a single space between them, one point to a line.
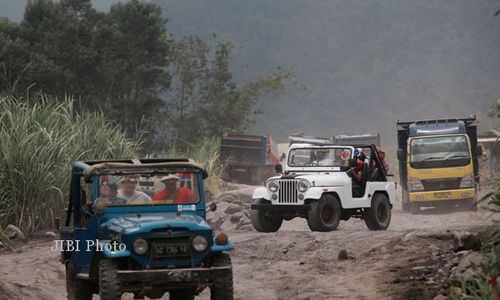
171 193
357 172
128 192
108 193
376 175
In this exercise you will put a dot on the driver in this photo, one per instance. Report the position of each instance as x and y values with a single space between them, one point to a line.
171 193
323 159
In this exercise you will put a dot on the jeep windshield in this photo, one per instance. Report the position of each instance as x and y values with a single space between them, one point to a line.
438 152
148 189
319 157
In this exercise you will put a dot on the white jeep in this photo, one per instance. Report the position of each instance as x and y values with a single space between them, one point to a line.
316 184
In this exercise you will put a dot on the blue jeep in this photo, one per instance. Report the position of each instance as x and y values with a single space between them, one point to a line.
139 226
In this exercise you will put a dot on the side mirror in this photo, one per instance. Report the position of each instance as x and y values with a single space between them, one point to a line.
479 150
278 168
401 155
212 207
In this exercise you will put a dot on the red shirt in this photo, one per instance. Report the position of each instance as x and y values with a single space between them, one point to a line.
184 195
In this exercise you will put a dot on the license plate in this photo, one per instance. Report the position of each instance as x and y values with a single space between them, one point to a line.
171 250
442 195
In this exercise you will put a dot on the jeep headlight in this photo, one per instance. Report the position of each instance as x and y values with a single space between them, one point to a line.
140 246
467 181
303 185
200 243
415 184
273 186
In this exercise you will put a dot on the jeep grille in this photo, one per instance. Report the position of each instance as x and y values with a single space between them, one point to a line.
288 192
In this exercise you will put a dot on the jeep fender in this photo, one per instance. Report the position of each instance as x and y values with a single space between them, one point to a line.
222 248
261 193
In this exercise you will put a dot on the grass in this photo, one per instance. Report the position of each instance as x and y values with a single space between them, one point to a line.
40 142
206 152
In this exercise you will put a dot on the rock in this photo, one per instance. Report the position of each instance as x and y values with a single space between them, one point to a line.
245 220
466 241
419 268
13 232
344 255
440 297
227 226
468 266
409 236
236 217
215 219
233 208
1 245
51 234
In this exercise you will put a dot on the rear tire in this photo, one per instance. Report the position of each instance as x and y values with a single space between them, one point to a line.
378 216
77 289
185 294
222 287
324 214
263 223
109 285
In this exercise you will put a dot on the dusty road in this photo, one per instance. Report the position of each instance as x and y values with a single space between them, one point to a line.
293 263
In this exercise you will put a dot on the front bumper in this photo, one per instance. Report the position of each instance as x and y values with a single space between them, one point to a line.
172 275
446 195
281 208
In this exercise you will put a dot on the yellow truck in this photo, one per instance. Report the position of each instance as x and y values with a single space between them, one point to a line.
438 163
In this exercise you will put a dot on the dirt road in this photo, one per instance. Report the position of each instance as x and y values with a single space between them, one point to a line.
293 263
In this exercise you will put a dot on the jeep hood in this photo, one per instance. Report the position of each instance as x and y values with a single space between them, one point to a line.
147 222
320 179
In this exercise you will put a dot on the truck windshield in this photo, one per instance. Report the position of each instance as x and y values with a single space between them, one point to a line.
148 189
442 151
319 157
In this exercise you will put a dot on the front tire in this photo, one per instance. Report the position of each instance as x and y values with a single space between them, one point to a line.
109 285
263 223
77 289
222 287
324 214
378 216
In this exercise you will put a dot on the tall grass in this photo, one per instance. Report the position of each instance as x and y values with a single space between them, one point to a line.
205 151
39 143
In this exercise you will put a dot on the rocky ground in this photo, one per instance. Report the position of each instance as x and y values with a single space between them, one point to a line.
411 260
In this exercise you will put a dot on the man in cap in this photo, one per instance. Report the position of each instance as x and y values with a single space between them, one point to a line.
171 193
129 193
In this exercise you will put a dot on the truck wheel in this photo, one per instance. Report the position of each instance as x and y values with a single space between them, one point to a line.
185 294
324 214
263 223
77 289
222 287
378 216
109 285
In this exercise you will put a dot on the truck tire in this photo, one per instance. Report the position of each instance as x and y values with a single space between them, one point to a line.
77 289
324 214
184 294
378 216
109 285
222 287
263 223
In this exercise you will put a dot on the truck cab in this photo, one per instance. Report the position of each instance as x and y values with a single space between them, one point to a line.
438 163
314 184
139 226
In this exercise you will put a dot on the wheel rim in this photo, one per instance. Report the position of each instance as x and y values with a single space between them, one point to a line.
327 214
381 213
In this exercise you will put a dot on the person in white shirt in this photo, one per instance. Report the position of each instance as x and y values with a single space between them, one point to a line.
129 193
